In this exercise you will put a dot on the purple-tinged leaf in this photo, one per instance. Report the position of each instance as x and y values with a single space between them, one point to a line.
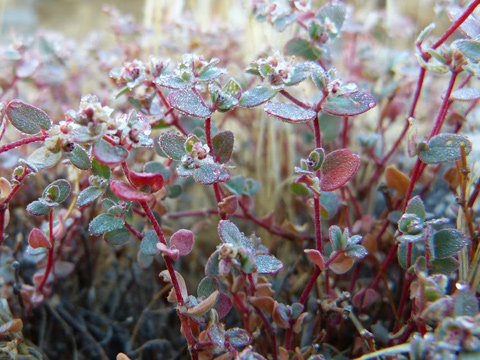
256 96
183 241
63 268
207 174
289 112
190 103
238 338
27 118
109 154
148 246
222 144
104 223
229 204
144 179
337 168
166 251
211 267
128 192
365 298
37 239
223 305
203 307
165 275
465 94
268 264
349 104
445 148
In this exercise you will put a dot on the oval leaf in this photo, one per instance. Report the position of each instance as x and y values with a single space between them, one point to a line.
27 118
289 112
445 148
43 158
316 257
207 174
173 145
61 191
465 94
103 223
349 104
89 195
148 246
337 168
37 208
204 306
256 96
143 179
268 264
79 158
128 192
341 264
118 237
37 239
109 154
222 144
183 241
190 103
448 242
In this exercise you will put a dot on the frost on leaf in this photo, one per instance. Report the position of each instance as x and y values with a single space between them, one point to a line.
27 118
349 104
337 168
190 103
289 112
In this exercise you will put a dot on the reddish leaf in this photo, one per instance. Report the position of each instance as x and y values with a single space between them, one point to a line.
229 204
337 168
140 180
37 239
316 258
183 241
341 264
171 253
364 298
172 297
204 306
128 192
15 325
223 305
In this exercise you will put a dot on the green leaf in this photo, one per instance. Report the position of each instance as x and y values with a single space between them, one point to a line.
468 48
268 264
173 145
222 144
43 158
289 112
118 237
207 174
99 169
257 96
89 195
444 266
207 286
229 233
233 88
299 189
356 251
329 203
236 184
330 126
349 104
27 118
466 303
211 267
148 246
79 158
448 242
59 195
174 191
444 148
402 254
171 82
336 238
104 223
190 103
157 168
337 168
250 187
300 47
415 206
109 154
332 15
37 208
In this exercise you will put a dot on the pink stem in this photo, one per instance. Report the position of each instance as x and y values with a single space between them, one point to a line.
21 142
50 253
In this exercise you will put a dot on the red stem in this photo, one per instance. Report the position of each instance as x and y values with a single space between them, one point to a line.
50 253
21 142
294 100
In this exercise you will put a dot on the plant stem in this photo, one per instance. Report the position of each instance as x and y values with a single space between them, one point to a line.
294 100
50 253
173 276
21 142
